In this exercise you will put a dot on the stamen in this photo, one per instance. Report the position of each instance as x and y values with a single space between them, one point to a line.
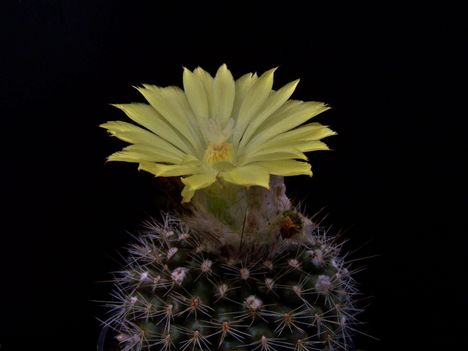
217 135
219 152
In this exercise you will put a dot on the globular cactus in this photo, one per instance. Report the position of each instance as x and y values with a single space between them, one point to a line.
241 269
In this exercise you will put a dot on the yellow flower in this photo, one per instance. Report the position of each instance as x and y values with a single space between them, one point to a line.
240 130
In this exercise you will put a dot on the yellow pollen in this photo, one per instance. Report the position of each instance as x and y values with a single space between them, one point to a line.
218 152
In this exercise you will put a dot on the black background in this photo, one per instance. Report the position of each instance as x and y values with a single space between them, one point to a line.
393 76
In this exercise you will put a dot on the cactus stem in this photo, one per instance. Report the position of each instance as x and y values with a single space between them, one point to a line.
173 288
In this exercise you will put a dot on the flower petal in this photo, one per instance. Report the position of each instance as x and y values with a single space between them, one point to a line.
172 104
274 155
161 170
309 132
196 182
286 167
196 95
207 81
297 148
149 118
252 103
243 85
139 153
290 118
312 145
247 176
136 135
274 101
224 92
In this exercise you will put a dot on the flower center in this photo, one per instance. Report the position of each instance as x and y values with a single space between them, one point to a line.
218 152
217 135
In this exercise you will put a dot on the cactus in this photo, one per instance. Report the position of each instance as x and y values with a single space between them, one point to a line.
241 268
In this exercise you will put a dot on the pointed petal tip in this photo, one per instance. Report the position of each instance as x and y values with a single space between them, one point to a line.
200 70
140 88
105 125
187 195
119 106
223 69
271 71
325 148
143 166
111 158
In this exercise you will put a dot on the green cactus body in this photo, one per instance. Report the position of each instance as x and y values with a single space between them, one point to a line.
182 290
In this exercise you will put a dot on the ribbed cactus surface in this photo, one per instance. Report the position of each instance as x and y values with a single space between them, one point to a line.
175 295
